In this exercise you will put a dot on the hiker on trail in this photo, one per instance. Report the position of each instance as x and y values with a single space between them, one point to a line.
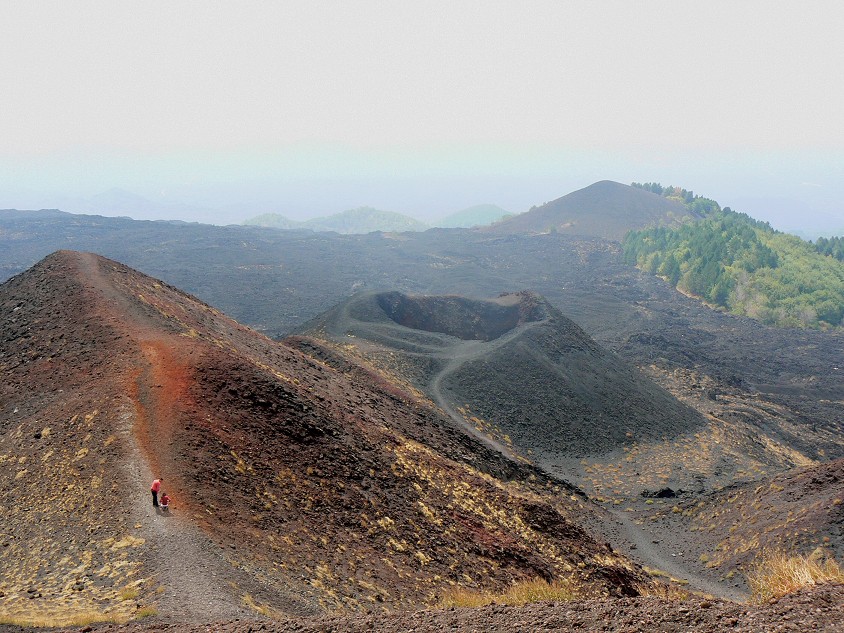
156 486
165 501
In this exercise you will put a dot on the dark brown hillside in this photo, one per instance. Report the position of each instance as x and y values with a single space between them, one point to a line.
605 209
69 544
298 487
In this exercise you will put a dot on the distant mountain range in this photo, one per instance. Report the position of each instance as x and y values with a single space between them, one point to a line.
605 209
368 220
351 222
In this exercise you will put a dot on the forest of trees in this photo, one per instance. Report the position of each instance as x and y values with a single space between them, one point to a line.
743 265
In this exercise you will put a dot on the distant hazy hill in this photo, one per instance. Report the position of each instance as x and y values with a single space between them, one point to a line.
273 221
479 215
365 220
354 221
605 209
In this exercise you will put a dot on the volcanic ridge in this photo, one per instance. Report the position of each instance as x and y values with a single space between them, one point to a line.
299 487
396 449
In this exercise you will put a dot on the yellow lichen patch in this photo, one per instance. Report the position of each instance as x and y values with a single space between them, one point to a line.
128 541
492 504
264 609
428 513
399 546
386 523
64 563
240 464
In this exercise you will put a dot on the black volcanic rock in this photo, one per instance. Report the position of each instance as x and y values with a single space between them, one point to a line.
461 317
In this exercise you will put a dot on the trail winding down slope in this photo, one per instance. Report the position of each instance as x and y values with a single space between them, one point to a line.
646 550
191 573
299 487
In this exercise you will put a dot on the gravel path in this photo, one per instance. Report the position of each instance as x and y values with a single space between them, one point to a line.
668 558
191 573
191 576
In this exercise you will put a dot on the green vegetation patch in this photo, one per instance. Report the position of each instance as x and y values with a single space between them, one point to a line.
731 260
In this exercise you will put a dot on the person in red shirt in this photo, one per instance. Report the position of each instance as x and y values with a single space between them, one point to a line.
164 502
156 486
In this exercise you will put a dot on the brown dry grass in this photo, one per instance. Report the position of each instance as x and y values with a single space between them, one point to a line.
777 573
62 620
662 590
520 593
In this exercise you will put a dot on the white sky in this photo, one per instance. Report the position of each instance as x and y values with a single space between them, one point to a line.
421 107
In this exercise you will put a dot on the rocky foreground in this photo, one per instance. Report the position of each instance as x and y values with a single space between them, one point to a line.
818 609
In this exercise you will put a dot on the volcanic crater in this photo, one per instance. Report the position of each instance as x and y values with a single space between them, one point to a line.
464 318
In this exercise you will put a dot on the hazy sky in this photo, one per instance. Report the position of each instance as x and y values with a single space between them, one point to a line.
424 108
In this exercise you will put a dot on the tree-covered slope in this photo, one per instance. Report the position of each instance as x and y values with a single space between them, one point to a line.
832 246
733 261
